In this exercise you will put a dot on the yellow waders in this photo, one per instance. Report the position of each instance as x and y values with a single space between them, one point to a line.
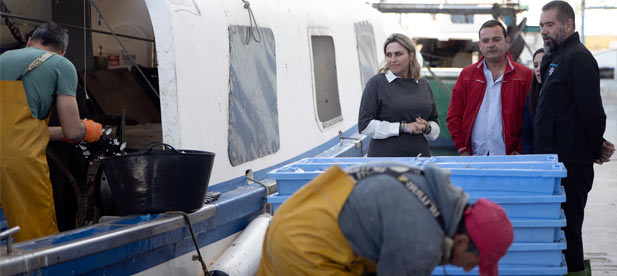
304 237
25 189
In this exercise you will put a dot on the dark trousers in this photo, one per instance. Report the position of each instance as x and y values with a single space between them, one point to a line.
577 185
65 201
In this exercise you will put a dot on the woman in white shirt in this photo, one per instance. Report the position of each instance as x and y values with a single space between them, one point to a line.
397 109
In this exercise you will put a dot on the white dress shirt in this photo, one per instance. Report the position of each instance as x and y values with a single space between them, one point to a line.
487 134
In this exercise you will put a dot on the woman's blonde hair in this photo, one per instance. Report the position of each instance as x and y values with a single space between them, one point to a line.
403 40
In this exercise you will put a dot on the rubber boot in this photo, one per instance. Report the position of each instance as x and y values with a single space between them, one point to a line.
577 273
587 267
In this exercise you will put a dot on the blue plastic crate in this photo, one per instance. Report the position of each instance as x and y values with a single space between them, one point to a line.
290 186
508 182
298 168
538 230
4 225
529 207
292 177
525 230
506 178
495 158
359 160
516 166
481 179
508 270
276 200
536 249
439 159
535 254
516 207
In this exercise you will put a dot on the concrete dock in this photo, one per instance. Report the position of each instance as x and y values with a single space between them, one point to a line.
600 225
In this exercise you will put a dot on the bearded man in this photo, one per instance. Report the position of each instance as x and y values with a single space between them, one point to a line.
570 119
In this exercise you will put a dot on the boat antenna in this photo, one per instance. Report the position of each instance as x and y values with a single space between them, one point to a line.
249 33
125 51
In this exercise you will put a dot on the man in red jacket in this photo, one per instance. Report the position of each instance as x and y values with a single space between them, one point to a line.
485 113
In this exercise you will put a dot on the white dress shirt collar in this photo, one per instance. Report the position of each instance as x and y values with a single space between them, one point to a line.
391 77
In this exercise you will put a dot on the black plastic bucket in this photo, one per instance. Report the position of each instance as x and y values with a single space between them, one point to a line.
157 181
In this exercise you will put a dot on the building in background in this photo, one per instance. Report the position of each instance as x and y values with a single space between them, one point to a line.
448 39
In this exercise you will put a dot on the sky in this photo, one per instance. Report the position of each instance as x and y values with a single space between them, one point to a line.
596 20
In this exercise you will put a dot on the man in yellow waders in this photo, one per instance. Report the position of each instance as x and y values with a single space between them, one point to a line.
387 218
31 80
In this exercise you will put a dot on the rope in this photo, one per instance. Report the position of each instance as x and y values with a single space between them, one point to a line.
249 33
436 56
187 220
85 57
82 199
439 81
10 23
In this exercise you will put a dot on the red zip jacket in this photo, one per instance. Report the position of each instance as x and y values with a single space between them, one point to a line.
467 97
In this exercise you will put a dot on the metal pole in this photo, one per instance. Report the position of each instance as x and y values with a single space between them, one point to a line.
68 26
601 8
583 23
8 235
604 8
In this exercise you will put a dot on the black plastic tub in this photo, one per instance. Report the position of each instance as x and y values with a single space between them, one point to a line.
158 180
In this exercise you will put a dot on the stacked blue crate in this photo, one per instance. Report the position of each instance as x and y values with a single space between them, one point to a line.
526 186
3 224
292 177
531 194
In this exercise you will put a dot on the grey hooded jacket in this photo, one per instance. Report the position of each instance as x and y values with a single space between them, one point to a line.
384 222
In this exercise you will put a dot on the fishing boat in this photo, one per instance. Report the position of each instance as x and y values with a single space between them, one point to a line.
260 84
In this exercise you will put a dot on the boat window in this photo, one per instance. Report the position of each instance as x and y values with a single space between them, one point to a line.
253 112
325 81
462 18
367 54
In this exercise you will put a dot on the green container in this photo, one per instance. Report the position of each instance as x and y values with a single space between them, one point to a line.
444 144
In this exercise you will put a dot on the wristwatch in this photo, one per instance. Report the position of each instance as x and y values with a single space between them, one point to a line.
427 130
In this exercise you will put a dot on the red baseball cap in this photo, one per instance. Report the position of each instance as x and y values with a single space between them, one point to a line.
491 231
